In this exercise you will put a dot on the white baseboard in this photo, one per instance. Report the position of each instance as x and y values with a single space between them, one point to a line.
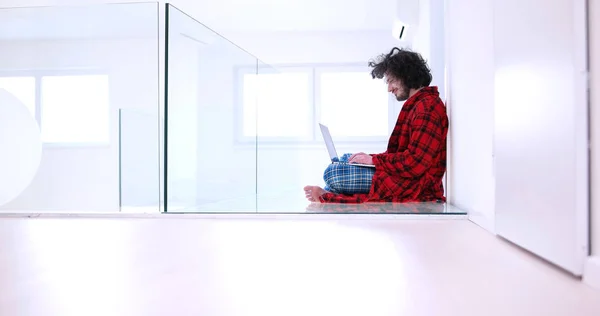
483 221
591 272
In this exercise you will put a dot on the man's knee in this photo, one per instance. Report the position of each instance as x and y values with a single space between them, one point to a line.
346 179
333 179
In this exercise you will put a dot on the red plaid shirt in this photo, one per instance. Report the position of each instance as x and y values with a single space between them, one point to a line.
412 167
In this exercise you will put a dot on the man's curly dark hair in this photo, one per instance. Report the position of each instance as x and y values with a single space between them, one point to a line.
403 64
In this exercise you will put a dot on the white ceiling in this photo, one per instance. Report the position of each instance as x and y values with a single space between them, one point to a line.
94 21
292 15
141 19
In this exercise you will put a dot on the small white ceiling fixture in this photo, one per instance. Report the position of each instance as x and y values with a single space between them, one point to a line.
407 19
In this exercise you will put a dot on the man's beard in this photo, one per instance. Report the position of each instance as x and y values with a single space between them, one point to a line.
402 96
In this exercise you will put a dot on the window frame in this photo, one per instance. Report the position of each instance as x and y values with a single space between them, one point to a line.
314 71
38 75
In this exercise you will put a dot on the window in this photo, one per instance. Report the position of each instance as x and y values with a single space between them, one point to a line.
287 105
70 108
279 104
353 104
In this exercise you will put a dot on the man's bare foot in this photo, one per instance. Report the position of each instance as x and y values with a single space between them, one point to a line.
313 193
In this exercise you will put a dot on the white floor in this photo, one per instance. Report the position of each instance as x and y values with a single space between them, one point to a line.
186 266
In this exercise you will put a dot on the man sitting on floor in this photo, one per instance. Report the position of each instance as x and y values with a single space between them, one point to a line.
412 167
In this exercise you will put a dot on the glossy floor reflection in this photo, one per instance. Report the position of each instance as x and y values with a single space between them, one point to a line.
295 202
174 266
385 208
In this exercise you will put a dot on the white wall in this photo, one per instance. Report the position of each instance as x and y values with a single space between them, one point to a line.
429 40
437 44
469 45
422 36
315 47
540 138
594 47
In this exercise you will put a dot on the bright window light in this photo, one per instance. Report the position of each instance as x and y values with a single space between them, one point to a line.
280 102
352 104
23 88
75 109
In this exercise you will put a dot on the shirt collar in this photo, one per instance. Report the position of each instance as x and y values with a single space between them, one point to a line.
423 92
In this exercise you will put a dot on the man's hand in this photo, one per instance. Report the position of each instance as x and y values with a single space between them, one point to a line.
361 158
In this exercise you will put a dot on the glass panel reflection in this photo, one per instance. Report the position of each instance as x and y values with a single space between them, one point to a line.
139 160
243 136
75 68
209 168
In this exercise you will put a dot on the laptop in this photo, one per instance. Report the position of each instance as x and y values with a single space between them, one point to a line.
331 149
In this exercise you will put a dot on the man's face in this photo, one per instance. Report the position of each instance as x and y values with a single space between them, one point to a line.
397 88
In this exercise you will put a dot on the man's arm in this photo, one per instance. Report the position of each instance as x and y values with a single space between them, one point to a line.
425 141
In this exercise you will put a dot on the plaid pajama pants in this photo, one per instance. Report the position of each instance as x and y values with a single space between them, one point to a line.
348 179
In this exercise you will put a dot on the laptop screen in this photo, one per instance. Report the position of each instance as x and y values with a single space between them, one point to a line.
328 142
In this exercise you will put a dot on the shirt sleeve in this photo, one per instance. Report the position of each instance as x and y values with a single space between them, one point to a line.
425 142
372 155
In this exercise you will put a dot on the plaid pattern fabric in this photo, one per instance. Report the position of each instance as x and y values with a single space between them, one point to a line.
412 167
348 179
